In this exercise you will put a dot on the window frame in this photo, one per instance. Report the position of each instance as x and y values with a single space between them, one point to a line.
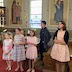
2 3
34 14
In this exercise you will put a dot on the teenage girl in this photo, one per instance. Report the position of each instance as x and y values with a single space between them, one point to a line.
60 50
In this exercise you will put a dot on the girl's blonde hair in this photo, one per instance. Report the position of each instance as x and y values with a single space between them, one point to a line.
10 34
22 32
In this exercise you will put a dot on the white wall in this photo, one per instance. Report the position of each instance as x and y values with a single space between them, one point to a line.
24 14
25 5
70 16
45 14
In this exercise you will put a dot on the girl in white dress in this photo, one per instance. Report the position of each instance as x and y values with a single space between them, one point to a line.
7 50
19 49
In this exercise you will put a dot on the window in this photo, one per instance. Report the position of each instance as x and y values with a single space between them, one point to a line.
2 3
35 13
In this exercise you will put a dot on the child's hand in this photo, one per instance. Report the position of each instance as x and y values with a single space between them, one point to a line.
5 53
16 43
29 43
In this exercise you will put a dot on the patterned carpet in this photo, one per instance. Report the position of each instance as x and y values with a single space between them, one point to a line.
38 65
3 65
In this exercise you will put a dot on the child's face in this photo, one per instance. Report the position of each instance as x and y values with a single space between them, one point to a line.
59 2
17 31
43 25
7 36
60 26
31 33
22 32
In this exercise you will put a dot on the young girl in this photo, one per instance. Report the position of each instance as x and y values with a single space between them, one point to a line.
60 50
23 32
19 51
7 50
31 52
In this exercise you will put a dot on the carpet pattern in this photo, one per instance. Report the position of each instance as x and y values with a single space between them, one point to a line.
39 67
3 65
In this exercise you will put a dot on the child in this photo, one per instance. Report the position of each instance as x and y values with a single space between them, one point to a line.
23 32
19 51
60 50
26 38
31 52
7 50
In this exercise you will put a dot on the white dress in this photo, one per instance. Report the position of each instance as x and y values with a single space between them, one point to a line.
19 50
60 52
7 47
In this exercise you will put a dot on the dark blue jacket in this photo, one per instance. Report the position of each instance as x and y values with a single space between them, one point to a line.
44 36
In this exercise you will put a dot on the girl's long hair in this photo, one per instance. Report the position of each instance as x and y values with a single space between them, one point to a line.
62 22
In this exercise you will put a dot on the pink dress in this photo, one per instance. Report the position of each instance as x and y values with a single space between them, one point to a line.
7 47
31 52
60 52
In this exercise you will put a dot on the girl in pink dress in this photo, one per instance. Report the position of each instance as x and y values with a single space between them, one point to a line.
60 50
31 52
7 50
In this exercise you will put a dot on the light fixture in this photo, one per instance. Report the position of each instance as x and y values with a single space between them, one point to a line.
1 25
1 11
